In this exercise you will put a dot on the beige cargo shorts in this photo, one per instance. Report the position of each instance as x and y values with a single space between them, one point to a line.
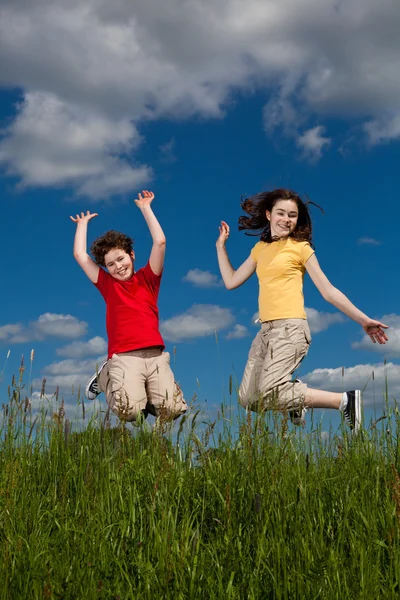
142 381
275 354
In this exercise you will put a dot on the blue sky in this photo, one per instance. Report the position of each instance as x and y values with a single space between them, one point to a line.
201 103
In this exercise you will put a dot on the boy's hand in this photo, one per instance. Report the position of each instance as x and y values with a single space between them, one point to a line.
84 218
144 199
223 235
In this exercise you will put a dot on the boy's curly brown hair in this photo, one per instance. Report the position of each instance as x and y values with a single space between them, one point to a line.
110 240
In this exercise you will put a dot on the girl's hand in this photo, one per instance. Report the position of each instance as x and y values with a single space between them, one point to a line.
144 199
223 235
375 331
84 218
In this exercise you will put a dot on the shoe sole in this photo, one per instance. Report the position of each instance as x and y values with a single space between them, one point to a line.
357 411
88 394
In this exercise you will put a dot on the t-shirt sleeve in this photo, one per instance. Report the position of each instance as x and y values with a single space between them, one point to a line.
103 283
255 252
153 281
305 253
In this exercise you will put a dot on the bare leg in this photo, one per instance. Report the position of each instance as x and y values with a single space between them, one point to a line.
322 399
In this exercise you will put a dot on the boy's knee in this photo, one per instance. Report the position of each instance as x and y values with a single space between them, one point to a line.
124 407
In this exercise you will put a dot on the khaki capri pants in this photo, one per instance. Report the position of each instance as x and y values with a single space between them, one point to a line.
276 352
142 381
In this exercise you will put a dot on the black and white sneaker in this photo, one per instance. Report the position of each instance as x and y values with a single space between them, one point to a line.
352 410
298 416
92 389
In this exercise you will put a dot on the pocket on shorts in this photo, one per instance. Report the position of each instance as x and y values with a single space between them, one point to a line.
167 357
116 374
307 332
298 332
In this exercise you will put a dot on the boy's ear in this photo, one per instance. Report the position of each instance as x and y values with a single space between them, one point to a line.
132 255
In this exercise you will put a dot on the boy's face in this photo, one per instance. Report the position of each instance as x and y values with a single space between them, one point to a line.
119 264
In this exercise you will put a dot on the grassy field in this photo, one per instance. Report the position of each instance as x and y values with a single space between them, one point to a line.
139 513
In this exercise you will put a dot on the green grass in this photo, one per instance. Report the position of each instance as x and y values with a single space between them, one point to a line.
137 513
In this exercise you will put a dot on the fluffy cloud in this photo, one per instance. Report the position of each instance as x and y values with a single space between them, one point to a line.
94 347
392 347
9 332
85 155
47 325
238 332
312 142
200 320
319 321
371 377
94 70
201 278
67 375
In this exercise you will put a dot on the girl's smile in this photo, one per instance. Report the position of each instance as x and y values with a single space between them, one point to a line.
283 218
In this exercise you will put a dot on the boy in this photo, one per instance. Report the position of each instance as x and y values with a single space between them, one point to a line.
137 378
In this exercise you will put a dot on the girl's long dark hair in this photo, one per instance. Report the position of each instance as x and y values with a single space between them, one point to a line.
256 206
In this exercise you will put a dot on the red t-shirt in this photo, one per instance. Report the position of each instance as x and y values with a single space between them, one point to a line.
132 312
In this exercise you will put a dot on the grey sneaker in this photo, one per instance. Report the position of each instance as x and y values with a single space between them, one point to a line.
92 389
298 415
352 410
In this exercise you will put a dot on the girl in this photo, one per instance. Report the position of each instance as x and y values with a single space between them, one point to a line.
281 259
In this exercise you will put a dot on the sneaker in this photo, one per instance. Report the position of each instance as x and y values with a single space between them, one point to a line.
352 410
92 389
298 416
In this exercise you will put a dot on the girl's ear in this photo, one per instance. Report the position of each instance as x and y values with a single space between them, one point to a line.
268 215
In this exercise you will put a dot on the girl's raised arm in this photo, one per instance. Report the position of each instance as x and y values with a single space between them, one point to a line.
331 294
232 279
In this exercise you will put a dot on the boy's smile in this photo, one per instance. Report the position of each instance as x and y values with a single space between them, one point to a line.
119 264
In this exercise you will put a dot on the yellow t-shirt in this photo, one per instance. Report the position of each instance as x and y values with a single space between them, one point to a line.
280 270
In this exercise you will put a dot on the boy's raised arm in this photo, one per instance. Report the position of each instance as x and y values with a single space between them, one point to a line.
80 246
157 254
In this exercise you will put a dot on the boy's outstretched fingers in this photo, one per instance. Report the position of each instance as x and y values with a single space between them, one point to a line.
83 217
375 331
144 199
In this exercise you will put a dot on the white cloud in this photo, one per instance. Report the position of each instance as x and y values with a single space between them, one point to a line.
201 278
83 155
200 320
93 347
8 332
47 325
384 129
319 321
91 71
372 377
368 241
62 326
67 374
312 142
392 347
238 332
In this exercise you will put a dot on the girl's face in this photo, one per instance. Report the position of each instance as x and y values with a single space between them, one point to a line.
283 218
